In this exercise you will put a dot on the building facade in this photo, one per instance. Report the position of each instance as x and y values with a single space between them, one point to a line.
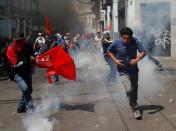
156 17
89 15
18 16
114 16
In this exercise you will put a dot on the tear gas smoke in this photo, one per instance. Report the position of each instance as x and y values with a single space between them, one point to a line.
154 31
63 15
149 84
92 70
40 120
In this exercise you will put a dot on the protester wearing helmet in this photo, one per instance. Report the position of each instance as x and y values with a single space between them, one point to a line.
40 45
58 41
106 42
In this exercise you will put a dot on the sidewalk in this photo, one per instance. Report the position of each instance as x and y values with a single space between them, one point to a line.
169 63
90 105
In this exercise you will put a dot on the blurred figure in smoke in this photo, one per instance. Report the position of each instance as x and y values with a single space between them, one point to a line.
124 53
91 40
83 41
97 42
87 36
72 49
19 54
106 42
40 45
148 41
77 41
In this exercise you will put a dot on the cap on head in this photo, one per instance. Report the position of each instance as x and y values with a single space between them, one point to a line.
39 34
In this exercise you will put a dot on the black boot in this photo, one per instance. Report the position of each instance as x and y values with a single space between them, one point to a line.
21 109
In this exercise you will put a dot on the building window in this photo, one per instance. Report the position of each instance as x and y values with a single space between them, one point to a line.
2 10
3 2
22 4
131 2
28 4
34 5
15 3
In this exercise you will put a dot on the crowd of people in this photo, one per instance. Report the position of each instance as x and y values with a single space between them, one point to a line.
43 42
120 55
18 58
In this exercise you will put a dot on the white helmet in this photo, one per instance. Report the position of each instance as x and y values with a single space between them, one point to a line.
59 36
39 34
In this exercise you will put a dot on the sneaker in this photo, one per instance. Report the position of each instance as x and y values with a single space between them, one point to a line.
137 114
21 109
161 68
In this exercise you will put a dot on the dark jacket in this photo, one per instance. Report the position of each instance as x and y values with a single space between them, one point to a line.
19 51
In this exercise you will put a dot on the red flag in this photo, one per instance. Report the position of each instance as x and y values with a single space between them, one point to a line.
58 62
47 26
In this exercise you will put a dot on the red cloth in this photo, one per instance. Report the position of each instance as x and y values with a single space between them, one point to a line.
58 62
17 47
48 29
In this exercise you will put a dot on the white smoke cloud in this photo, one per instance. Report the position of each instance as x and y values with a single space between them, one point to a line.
149 83
92 69
38 123
153 30
40 120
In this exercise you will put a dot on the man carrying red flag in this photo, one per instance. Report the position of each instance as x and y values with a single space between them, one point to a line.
18 55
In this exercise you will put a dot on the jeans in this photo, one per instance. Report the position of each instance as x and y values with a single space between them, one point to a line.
24 82
113 69
130 83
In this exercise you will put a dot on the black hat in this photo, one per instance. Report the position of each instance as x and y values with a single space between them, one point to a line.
19 36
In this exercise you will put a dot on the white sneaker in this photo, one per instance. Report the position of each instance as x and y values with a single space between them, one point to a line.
137 114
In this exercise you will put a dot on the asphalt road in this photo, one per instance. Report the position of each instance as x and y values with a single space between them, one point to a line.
88 104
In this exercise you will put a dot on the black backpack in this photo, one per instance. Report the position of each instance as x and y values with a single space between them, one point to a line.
6 65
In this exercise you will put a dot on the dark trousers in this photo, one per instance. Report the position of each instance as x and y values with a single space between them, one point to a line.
155 61
130 82
56 78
